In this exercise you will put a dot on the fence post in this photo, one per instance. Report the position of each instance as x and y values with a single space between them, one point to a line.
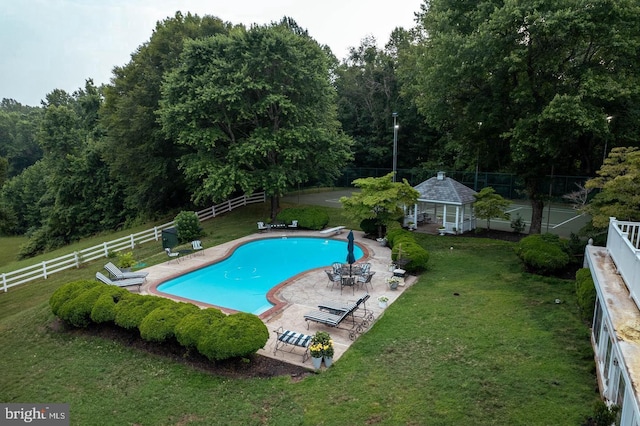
44 269
213 210
133 242
77 259
4 282
106 249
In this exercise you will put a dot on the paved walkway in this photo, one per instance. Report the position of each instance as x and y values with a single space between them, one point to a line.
300 294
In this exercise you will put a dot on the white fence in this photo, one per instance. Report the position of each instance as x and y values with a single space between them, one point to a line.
74 260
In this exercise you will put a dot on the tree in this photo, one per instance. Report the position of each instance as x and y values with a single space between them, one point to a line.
619 184
130 120
368 94
379 199
541 77
490 205
257 110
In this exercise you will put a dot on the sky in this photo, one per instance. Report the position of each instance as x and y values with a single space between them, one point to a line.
58 44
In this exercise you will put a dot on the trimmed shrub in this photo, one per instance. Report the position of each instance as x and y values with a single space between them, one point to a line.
404 246
69 291
188 226
77 310
131 311
237 335
104 310
543 254
308 217
586 294
194 325
160 324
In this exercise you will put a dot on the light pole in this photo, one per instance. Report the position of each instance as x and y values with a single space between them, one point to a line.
395 144
604 155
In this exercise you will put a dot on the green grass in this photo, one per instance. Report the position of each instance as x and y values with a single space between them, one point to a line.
501 352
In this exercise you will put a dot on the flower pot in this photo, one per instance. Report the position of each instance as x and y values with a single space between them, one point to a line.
393 285
317 361
382 304
328 360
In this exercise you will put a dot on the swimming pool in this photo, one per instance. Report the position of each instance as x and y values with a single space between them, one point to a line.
242 281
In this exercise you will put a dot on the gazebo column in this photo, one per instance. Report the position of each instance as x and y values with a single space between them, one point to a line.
458 218
444 216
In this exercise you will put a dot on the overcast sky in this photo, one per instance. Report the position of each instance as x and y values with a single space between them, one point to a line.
58 44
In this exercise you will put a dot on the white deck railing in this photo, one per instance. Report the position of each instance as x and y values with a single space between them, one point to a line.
623 244
74 260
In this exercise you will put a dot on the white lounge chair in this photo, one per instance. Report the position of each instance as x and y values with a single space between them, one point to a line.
117 274
129 282
197 246
263 227
172 254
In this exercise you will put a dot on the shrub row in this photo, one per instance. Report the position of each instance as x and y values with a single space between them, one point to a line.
308 218
404 247
543 254
586 294
212 333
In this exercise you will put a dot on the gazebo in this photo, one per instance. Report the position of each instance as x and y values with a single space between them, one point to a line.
439 195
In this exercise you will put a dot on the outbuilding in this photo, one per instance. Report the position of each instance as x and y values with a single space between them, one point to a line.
445 201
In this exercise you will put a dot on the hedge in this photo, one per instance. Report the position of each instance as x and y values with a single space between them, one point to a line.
543 254
404 246
308 217
586 294
191 328
235 336
157 319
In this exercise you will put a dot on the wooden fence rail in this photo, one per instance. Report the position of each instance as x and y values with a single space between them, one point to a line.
74 260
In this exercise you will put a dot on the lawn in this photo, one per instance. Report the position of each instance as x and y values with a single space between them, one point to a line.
474 341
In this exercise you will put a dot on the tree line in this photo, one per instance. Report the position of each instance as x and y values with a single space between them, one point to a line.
206 109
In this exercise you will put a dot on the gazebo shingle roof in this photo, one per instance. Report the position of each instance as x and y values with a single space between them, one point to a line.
445 191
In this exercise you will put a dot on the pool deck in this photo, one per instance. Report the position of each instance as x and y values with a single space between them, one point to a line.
299 295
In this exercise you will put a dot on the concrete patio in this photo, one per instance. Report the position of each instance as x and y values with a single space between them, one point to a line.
299 295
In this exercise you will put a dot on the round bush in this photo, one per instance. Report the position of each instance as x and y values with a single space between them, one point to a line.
543 254
160 324
188 226
104 309
77 311
69 291
131 311
237 335
194 325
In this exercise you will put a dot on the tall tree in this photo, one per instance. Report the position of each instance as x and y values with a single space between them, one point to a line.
129 118
258 109
541 77
368 95
19 126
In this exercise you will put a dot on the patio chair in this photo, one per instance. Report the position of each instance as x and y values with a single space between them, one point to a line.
294 224
365 268
173 255
117 274
337 268
333 278
365 279
287 341
197 246
348 282
263 227
129 282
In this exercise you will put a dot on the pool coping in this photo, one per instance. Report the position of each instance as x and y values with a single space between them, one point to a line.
296 296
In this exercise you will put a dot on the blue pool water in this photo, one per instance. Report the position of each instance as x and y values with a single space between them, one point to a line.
242 281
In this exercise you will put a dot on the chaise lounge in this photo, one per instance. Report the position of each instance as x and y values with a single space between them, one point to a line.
128 282
117 274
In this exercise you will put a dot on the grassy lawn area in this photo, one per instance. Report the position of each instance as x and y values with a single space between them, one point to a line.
475 341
